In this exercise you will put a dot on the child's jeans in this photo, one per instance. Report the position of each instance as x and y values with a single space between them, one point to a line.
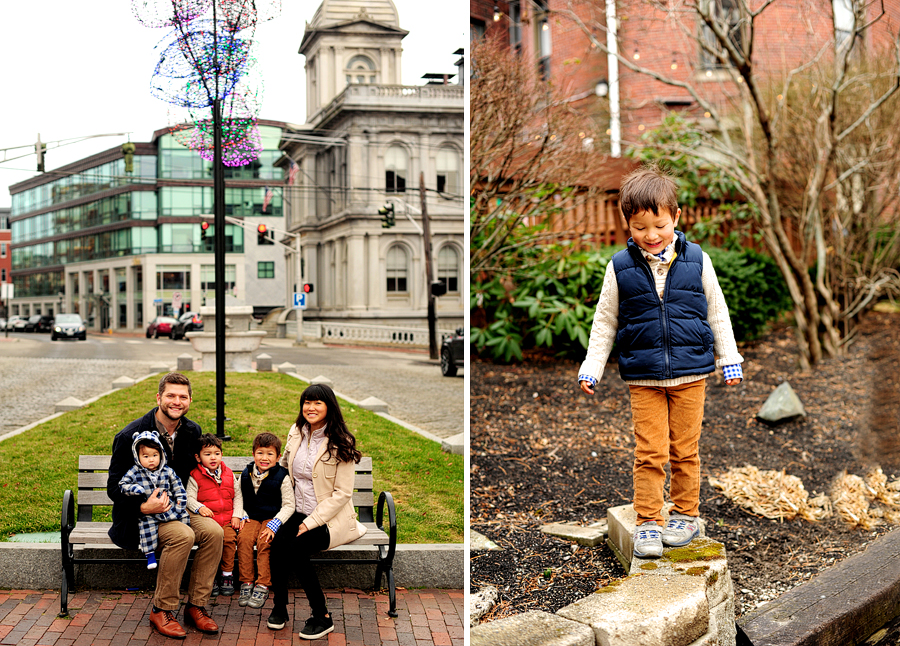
667 423
249 536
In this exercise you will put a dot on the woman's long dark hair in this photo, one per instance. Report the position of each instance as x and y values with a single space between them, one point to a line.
341 442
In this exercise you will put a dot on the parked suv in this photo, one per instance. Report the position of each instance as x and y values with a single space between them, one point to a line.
39 323
453 353
187 322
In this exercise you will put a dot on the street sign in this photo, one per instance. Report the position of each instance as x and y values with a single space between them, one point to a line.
176 301
157 301
300 300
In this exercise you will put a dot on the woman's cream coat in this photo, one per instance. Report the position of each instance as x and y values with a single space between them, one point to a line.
333 483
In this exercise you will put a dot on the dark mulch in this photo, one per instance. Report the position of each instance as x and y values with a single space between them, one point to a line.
541 451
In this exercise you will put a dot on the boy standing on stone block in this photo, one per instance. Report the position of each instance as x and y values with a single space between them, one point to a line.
662 306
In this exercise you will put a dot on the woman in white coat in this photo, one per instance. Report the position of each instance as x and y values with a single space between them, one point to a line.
320 454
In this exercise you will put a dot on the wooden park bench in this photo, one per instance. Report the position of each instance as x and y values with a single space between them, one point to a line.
78 528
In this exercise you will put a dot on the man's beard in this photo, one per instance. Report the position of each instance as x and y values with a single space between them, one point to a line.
165 413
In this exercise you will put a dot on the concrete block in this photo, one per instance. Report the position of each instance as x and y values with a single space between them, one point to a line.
589 536
454 444
702 557
374 404
783 404
264 363
622 521
322 379
157 368
531 629
722 616
481 542
185 363
69 403
286 368
481 603
122 382
645 611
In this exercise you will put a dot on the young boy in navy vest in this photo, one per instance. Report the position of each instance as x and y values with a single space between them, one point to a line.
662 306
214 492
268 497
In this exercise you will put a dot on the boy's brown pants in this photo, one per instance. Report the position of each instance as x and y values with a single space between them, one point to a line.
667 423
249 536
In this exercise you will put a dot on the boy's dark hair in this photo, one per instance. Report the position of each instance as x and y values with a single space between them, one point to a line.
208 439
648 188
150 444
264 440
174 378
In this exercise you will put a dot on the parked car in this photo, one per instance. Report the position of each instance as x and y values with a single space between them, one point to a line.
39 323
16 323
2 324
68 326
161 326
453 353
187 322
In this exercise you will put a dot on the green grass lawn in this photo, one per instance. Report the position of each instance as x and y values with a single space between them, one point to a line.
38 465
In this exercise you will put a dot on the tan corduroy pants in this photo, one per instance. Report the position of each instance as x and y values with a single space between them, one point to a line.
176 540
667 423
250 535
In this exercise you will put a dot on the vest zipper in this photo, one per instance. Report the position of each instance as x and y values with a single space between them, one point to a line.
663 317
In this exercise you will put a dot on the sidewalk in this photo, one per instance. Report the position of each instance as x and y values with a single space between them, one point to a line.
116 618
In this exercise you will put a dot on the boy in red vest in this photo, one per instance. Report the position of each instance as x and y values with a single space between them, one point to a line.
213 491
268 497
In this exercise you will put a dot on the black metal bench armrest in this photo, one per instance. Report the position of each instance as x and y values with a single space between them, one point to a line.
386 497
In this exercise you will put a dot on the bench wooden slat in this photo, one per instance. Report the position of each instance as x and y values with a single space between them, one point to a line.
97 480
101 462
97 498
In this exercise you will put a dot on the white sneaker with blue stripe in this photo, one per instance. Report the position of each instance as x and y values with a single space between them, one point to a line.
648 541
680 530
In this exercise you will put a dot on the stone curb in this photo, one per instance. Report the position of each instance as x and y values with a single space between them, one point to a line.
38 566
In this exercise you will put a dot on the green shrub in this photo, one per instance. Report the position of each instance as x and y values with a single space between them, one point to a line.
547 299
754 290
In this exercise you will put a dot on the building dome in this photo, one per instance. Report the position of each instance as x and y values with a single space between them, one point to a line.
335 12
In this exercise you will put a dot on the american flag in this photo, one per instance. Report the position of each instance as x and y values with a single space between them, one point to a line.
267 199
292 172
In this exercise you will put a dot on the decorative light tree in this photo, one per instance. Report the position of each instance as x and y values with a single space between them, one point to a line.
206 67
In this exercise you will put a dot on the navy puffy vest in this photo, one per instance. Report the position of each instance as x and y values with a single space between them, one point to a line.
669 338
265 503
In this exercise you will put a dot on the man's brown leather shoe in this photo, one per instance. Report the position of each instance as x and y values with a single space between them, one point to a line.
165 623
201 619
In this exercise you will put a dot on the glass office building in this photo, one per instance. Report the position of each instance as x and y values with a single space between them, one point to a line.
120 247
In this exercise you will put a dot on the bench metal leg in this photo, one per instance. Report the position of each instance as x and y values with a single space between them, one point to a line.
67 519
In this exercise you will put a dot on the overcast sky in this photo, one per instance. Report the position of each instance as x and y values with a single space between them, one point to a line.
73 69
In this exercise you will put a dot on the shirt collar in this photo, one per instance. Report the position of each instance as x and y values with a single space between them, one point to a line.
667 255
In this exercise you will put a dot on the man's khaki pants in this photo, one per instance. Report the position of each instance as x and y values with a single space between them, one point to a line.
667 423
176 540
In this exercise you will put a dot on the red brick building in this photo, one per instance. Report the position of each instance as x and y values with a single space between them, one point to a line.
661 36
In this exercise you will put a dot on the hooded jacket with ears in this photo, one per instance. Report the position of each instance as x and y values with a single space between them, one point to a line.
333 483
140 481
127 509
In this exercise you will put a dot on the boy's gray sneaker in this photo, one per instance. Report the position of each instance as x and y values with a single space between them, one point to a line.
259 596
680 530
246 591
648 541
226 587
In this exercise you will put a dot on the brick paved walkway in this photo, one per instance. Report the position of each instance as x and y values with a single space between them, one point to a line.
115 618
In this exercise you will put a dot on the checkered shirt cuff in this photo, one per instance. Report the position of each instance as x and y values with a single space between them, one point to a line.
274 525
587 378
733 372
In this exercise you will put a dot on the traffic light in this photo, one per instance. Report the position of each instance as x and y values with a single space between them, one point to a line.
204 227
387 216
262 235
308 288
128 151
40 150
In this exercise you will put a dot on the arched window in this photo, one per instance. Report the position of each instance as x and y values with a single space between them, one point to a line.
447 163
397 270
360 69
448 268
396 163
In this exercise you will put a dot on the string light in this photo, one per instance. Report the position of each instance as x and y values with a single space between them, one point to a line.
496 13
637 54
204 60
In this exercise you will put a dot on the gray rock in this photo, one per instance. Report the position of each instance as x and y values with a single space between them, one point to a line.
481 603
532 629
589 536
481 542
782 404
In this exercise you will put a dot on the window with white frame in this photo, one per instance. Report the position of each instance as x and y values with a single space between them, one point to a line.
396 168
397 270
448 268
2 250
360 69
447 163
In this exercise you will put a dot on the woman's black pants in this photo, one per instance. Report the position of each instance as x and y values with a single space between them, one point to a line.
292 553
